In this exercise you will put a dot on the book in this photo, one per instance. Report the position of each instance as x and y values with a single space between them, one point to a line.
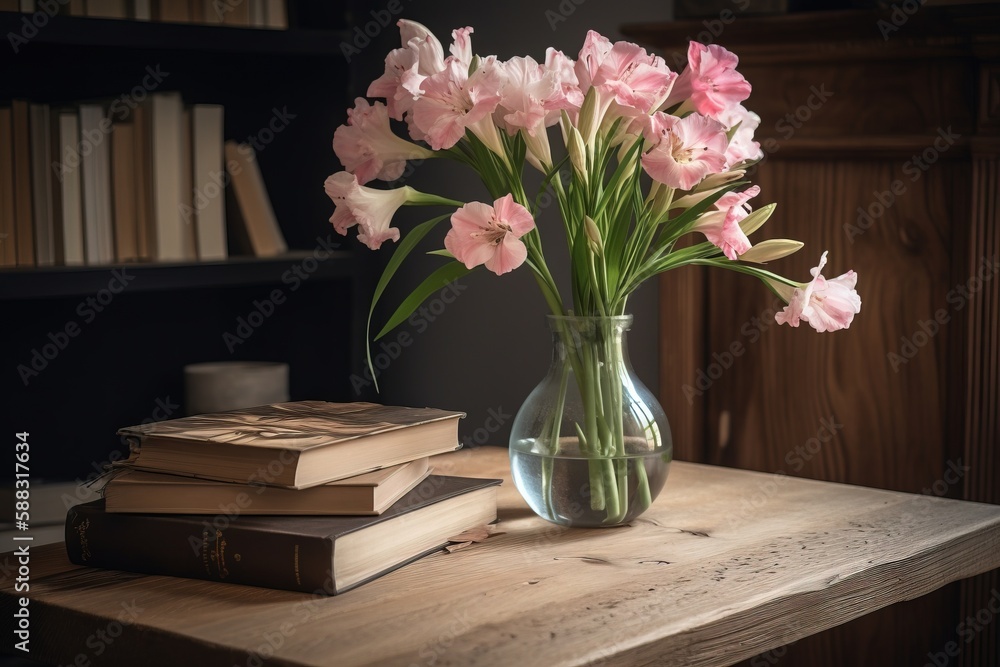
234 12
23 217
41 184
253 206
208 198
95 165
67 191
295 445
144 213
167 136
109 9
174 11
277 16
189 232
322 555
157 493
124 192
142 10
8 219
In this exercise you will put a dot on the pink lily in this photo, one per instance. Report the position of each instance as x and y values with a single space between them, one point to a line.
685 150
369 208
490 235
722 226
453 101
827 305
623 73
367 146
742 147
710 80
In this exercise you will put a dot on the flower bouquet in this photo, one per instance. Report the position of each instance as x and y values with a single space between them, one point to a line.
646 157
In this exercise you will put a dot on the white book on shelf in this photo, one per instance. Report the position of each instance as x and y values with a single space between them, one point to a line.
70 194
95 167
167 128
189 230
41 185
28 6
208 199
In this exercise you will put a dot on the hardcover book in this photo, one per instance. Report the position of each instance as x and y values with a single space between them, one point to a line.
364 495
295 445
322 555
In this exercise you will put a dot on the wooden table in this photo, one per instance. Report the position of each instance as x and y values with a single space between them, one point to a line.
725 565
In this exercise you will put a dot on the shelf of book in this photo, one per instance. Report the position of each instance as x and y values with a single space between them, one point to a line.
154 36
289 268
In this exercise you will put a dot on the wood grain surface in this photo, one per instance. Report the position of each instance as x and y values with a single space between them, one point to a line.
725 565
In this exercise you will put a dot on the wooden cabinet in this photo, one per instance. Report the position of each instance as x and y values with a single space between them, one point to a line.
882 141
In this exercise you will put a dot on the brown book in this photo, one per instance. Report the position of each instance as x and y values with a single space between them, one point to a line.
108 9
8 219
10 5
123 192
277 15
41 184
252 213
143 180
322 555
235 12
295 445
24 217
175 11
370 494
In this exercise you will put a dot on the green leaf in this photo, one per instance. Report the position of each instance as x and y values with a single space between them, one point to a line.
434 282
405 247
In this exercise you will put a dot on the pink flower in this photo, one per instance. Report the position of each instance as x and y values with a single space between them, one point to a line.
406 67
624 73
490 235
452 101
562 69
685 150
827 305
710 80
367 146
742 147
722 226
369 208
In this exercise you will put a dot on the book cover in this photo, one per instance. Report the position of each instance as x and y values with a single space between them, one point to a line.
296 445
167 136
8 220
372 493
67 190
95 166
208 198
41 185
325 555
145 215
255 211
23 216
124 190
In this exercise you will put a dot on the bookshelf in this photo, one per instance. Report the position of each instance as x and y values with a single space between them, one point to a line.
125 364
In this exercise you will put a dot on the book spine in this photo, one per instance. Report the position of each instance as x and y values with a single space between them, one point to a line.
210 548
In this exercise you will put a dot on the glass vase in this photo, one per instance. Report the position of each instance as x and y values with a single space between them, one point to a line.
590 446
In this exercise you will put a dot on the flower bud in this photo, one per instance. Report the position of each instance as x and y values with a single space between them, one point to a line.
593 235
771 249
756 220
577 152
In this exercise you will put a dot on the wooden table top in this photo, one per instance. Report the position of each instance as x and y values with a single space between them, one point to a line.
724 565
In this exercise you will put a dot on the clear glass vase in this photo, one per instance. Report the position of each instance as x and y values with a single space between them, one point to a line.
591 445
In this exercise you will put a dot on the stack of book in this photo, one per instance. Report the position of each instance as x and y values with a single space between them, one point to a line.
240 13
305 496
97 183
